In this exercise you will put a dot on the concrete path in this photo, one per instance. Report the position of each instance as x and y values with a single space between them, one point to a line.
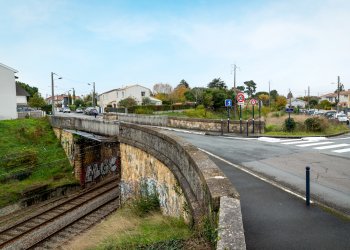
274 219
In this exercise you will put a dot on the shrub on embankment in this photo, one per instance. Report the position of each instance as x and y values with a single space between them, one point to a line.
30 156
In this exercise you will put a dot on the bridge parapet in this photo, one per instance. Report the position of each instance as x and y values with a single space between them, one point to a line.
208 192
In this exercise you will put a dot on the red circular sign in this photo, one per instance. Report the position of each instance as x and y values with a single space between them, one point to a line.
240 97
253 101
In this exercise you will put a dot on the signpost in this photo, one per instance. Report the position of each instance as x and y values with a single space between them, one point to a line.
289 110
240 102
228 105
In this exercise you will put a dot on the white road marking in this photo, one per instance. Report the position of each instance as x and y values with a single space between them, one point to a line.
295 142
275 184
333 146
239 138
341 150
315 144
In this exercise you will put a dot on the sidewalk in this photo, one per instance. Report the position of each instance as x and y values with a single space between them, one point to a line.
274 219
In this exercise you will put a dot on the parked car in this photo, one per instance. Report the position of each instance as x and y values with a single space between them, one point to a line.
66 110
330 114
60 110
343 118
90 111
79 110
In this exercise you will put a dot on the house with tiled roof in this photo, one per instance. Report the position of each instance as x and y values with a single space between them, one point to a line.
114 96
344 98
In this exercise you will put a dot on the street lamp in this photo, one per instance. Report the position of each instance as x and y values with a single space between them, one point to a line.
93 94
53 92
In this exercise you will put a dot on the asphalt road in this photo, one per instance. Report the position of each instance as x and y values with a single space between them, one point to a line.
273 218
284 161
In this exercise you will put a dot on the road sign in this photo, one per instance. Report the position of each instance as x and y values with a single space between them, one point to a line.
289 110
240 98
228 103
253 102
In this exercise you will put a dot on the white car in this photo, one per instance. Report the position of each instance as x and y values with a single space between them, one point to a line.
343 118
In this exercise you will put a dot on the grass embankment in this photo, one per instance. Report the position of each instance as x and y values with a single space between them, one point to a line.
30 155
126 230
275 126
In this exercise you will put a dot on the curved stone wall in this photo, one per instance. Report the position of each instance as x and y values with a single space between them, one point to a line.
208 192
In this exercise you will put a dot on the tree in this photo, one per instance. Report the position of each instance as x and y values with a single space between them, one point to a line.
313 103
218 97
250 87
36 101
217 83
127 102
241 88
146 101
264 98
183 83
79 103
207 100
162 88
273 95
31 90
325 104
281 102
178 94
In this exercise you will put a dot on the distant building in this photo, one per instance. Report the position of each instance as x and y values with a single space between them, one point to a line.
295 102
114 96
344 98
8 103
21 96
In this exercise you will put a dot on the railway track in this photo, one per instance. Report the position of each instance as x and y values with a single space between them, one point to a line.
41 229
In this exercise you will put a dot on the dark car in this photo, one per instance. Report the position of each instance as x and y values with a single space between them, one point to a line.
90 111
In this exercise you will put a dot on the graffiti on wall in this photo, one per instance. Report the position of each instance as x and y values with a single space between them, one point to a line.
96 170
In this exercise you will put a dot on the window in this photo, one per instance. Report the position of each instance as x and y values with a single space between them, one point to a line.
143 93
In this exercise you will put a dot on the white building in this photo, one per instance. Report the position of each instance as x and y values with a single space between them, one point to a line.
113 97
8 101
21 96
344 98
295 102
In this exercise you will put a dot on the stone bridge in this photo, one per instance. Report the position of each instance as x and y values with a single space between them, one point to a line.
188 183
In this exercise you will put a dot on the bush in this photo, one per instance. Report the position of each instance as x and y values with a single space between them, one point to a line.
143 110
289 125
147 200
315 124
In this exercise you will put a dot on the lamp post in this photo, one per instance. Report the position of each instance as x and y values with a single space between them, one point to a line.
93 93
53 92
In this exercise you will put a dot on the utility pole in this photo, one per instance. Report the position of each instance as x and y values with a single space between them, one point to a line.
52 95
338 94
234 75
308 96
73 97
269 96
234 87
93 95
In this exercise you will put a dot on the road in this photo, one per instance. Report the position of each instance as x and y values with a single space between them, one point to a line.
284 162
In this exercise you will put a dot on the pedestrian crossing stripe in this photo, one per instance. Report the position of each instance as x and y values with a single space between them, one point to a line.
333 146
341 150
315 144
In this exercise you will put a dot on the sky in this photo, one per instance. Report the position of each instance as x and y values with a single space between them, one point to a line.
291 44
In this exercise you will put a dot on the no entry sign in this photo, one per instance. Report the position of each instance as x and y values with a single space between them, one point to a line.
253 102
240 98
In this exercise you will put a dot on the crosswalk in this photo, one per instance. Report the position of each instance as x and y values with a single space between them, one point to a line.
317 143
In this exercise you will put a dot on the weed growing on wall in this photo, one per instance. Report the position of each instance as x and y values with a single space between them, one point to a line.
147 200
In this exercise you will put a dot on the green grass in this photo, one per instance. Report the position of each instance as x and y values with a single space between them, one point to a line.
151 232
30 155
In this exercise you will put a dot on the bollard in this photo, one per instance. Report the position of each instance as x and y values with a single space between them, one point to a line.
253 127
247 128
307 193
222 127
228 125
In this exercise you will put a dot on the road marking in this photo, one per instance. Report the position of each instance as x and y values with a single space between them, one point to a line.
291 140
315 144
295 142
239 138
342 150
275 184
333 146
